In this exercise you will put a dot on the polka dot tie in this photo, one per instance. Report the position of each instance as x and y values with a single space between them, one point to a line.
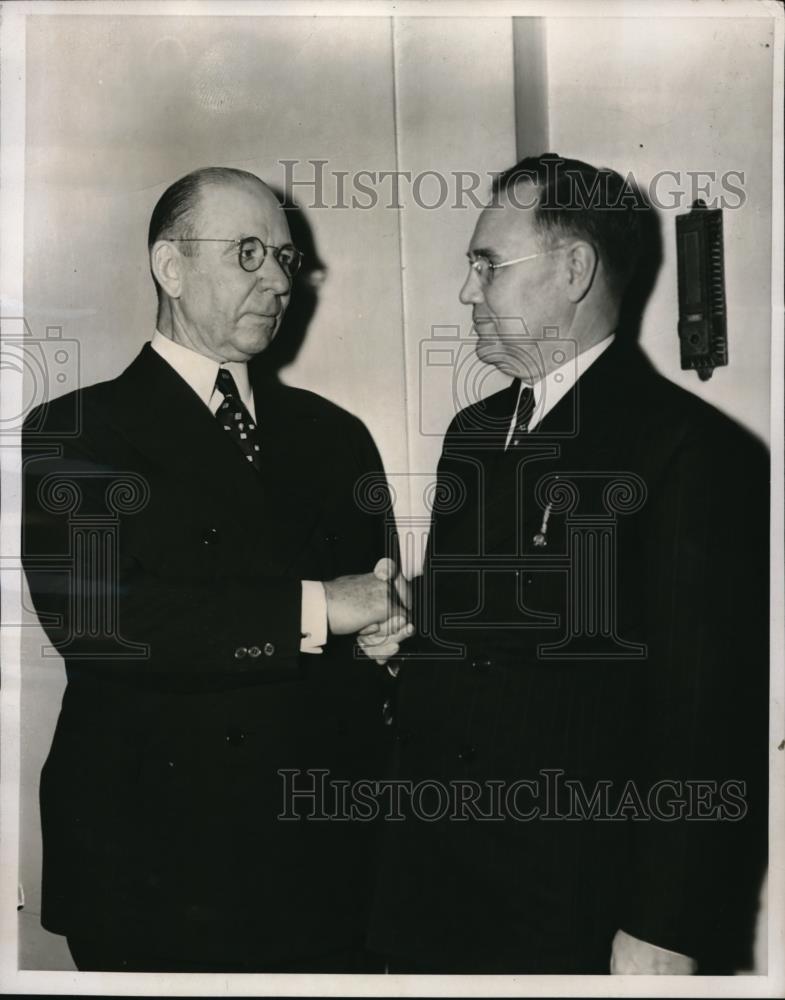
236 421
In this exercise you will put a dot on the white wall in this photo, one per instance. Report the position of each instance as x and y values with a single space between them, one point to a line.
684 94
119 107
455 113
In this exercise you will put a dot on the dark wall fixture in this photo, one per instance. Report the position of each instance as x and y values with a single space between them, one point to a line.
703 326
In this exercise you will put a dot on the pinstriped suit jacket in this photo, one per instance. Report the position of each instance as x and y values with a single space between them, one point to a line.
632 648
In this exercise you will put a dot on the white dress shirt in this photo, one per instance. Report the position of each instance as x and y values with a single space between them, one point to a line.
200 372
556 384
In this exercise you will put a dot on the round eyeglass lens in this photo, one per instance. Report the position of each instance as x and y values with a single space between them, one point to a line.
290 260
251 254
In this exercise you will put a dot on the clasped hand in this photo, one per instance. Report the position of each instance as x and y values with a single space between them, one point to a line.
381 640
373 604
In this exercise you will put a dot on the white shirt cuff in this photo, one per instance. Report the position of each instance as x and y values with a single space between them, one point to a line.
313 618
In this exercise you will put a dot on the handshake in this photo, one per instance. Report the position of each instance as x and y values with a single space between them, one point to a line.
375 605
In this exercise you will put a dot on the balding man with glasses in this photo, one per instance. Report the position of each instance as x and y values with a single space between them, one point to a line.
239 568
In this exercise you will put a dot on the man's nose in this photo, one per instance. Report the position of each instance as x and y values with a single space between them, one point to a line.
471 293
272 276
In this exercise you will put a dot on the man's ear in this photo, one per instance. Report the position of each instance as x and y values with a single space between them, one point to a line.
166 264
581 268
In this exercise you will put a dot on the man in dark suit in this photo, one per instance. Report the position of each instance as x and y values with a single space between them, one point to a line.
174 541
582 719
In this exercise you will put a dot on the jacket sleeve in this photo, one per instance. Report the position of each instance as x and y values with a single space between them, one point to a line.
100 604
374 516
693 882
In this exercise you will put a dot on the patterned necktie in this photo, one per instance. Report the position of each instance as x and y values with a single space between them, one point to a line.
523 415
235 419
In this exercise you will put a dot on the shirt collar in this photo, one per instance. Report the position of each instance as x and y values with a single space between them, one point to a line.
557 383
200 372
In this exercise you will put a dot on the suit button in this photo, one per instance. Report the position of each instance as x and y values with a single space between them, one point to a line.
254 652
269 649
482 666
387 713
234 736
210 536
467 752
240 653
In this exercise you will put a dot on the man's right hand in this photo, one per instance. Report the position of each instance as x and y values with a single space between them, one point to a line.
354 602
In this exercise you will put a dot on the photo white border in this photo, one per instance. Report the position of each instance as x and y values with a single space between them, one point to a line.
12 178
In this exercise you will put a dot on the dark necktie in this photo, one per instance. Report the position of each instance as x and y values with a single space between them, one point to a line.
523 415
236 420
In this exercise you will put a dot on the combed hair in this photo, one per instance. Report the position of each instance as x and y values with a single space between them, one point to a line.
175 212
577 199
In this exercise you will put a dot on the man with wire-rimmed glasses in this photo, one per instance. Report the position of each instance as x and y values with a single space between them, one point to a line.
235 585
592 624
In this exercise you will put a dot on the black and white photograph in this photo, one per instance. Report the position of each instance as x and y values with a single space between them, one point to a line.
392 557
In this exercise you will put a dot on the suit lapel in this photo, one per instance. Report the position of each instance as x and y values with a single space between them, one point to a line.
283 427
586 431
166 421
294 492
